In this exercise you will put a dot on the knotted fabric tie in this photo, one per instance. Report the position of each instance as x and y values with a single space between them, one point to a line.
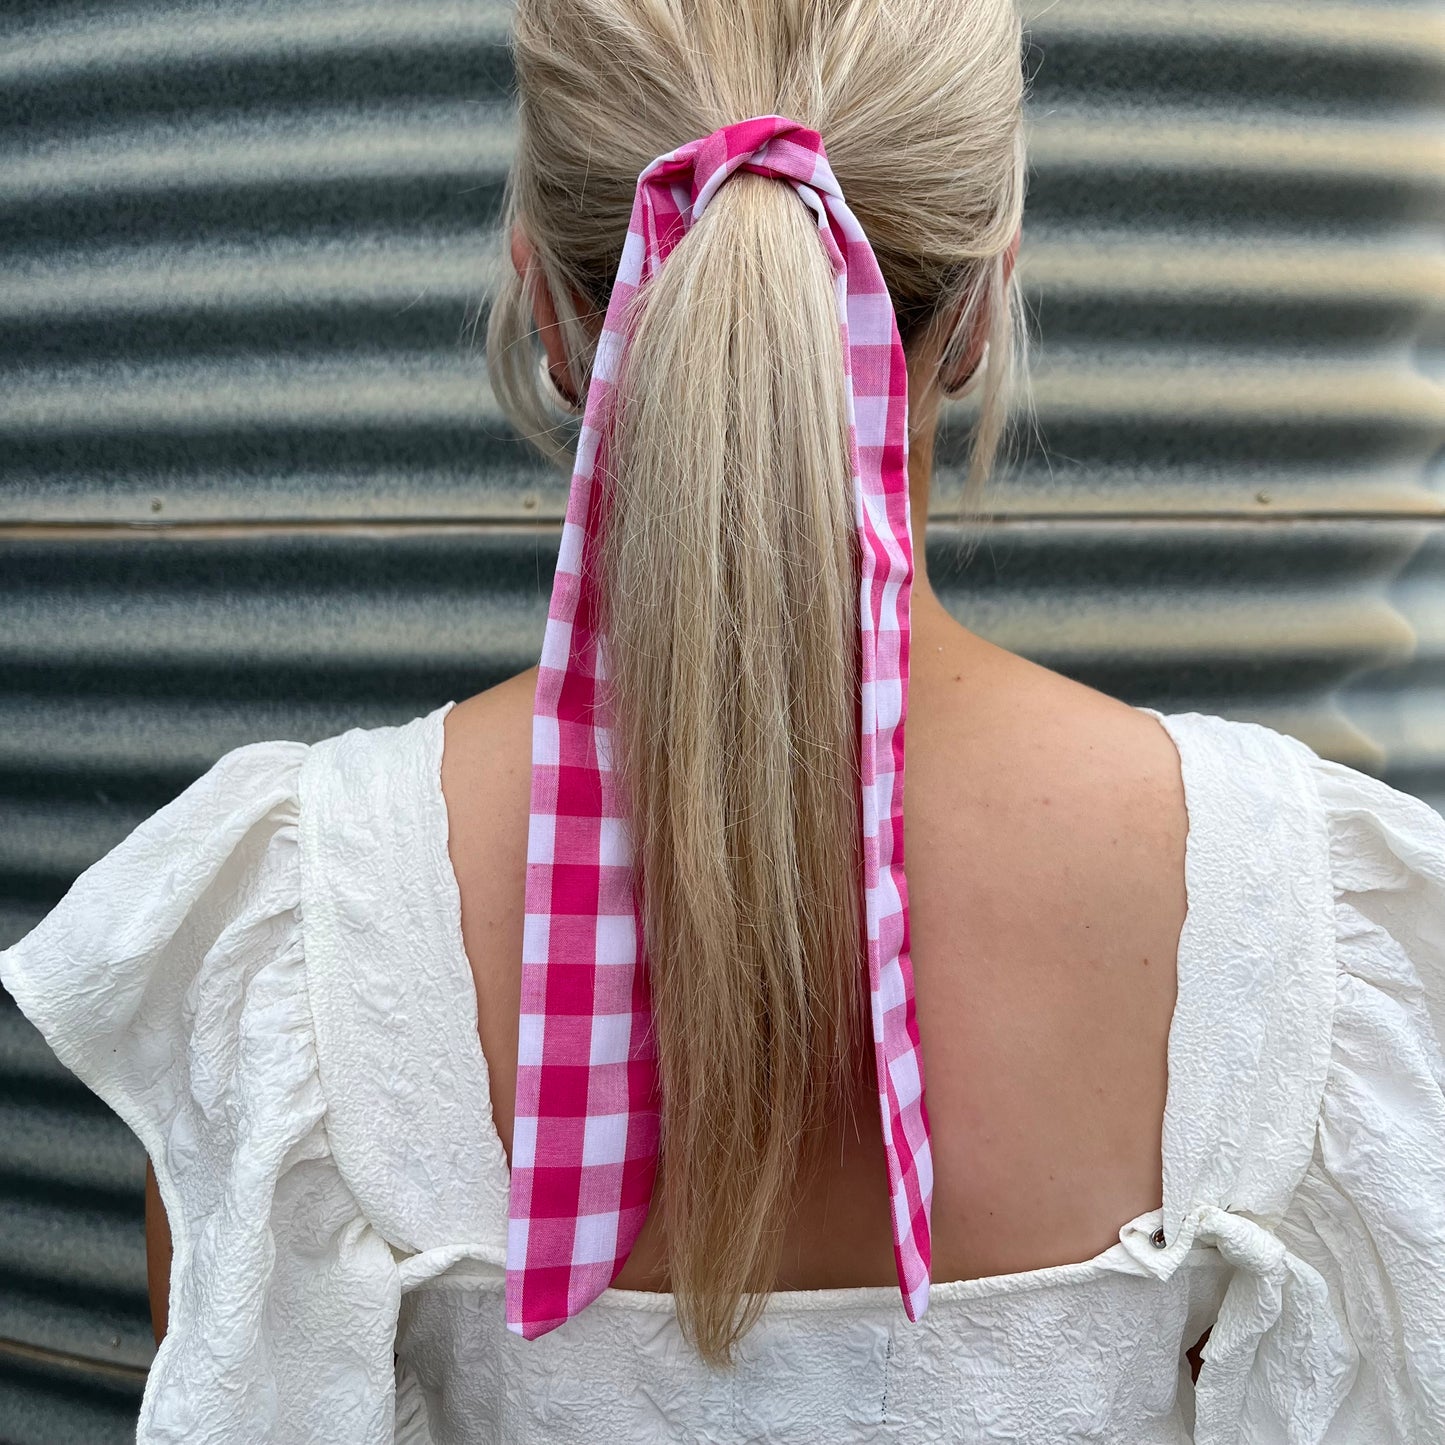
584 1148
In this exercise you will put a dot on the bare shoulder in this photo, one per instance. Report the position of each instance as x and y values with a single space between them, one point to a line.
497 718
1081 793
1116 766
1045 843
1098 791
1027 721
486 781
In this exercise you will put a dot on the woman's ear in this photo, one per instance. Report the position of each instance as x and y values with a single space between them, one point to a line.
1011 256
973 357
544 310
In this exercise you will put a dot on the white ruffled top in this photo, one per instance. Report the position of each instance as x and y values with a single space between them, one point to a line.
266 980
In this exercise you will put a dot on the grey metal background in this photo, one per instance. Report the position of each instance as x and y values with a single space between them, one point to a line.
253 483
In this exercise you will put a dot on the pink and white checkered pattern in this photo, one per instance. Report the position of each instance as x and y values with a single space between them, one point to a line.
584 1150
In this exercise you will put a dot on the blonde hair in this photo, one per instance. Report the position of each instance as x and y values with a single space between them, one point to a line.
729 566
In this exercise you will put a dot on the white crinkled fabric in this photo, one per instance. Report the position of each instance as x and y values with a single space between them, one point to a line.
266 980
172 979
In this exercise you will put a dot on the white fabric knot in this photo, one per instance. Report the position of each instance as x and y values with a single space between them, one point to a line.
1277 1364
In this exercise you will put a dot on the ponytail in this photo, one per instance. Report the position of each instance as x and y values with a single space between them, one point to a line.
728 570
729 578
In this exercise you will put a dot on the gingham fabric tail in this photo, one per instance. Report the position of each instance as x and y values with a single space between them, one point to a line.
584 1149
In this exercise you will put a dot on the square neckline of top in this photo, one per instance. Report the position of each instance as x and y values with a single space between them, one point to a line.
1141 1234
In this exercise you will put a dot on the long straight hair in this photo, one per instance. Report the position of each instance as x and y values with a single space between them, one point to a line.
729 565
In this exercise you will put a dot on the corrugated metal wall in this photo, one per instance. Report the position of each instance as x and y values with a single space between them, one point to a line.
253 484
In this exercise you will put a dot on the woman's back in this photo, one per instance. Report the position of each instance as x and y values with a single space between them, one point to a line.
268 981
1045 836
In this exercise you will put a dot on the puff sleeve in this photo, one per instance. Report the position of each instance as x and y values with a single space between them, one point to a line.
171 979
1369 1213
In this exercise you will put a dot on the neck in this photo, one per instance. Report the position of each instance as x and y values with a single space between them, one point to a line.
926 609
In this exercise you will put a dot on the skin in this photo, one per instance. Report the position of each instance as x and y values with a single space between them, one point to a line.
1046 829
158 1254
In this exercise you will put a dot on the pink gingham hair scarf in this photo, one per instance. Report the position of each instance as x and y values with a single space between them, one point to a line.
585 1142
